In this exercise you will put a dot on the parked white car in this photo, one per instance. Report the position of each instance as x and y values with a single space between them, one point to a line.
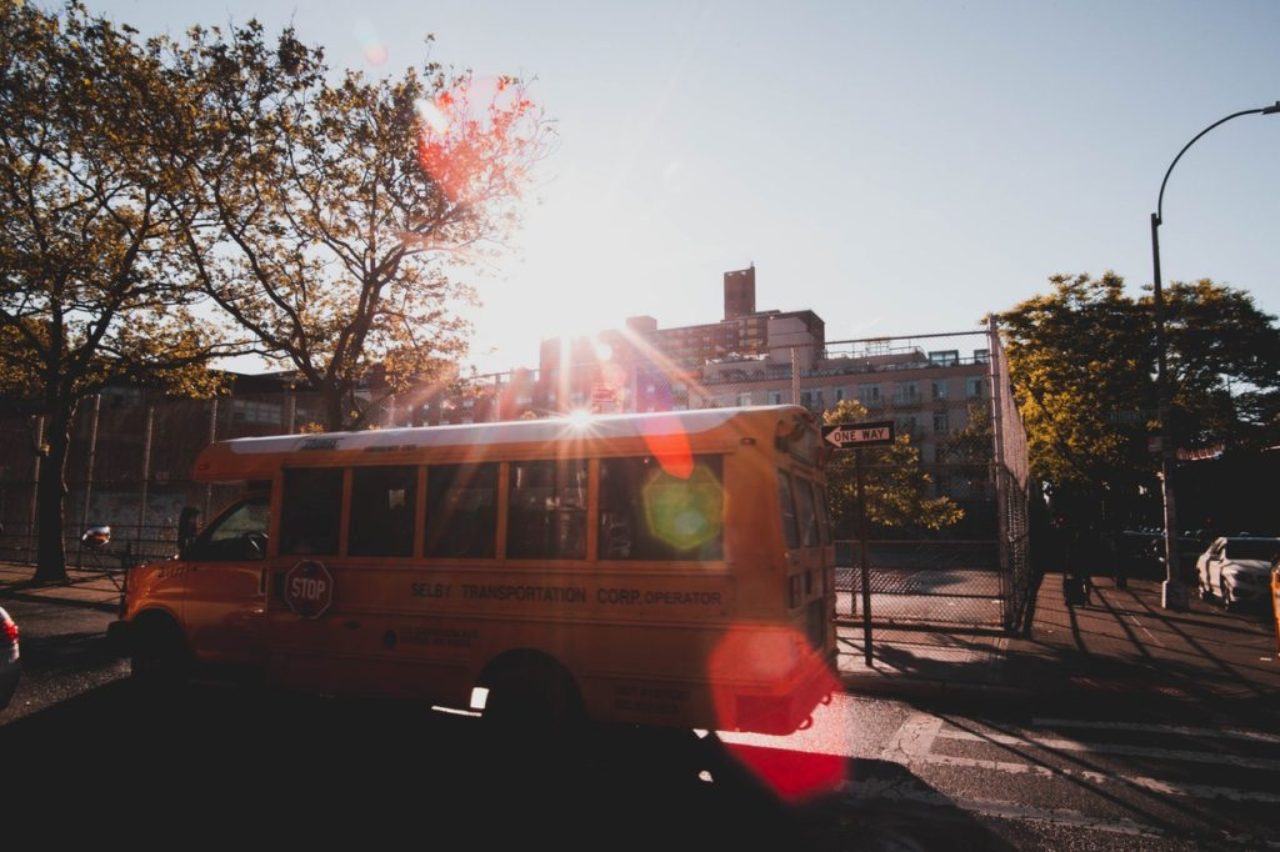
10 663
1237 569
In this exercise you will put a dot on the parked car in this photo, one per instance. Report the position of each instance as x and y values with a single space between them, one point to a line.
1237 569
10 661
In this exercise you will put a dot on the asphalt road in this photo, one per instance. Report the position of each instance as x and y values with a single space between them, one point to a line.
217 760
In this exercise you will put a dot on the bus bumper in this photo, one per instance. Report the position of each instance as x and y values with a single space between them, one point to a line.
790 708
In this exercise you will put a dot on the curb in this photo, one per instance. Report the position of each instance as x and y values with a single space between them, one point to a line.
901 687
27 597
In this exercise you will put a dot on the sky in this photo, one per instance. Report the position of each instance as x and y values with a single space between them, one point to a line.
897 167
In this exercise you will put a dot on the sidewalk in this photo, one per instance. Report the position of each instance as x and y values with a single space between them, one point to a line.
1123 644
93 588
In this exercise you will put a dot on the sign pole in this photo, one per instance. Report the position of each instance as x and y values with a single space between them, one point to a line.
862 557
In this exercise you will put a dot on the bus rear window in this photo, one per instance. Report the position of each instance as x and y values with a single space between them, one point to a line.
311 507
548 510
788 505
648 513
824 517
382 501
462 513
806 515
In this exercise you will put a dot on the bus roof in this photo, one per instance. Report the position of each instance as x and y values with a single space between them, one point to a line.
241 459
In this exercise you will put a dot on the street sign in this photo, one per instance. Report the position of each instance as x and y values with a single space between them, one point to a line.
308 588
854 436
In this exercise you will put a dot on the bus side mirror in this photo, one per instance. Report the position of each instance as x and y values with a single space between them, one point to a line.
255 546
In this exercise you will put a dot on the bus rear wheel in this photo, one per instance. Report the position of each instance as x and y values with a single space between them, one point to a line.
531 692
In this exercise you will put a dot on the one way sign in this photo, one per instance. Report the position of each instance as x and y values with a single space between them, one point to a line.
846 436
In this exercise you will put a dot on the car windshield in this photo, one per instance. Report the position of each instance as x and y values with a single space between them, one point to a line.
1266 549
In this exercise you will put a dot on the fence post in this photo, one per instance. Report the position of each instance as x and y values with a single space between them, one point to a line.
795 376
213 436
146 476
88 477
35 489
997 472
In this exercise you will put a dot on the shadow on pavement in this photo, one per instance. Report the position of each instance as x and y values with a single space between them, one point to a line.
214 761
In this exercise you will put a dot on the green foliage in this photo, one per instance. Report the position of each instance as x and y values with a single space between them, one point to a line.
332 230
897 490
91 216
1082 361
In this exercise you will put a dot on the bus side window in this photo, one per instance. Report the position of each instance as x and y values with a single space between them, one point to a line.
382 504
462 510
238 535
311 508
548 510
649 513
788 504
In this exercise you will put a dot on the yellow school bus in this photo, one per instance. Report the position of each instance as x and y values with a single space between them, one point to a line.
671 569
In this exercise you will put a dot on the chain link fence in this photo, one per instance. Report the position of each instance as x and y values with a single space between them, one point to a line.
129 467
976 573
132 454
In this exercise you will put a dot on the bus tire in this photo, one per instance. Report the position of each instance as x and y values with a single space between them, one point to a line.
529 690
160 657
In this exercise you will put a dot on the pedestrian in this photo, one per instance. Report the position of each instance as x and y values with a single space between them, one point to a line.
1119 562
188 526
1082 556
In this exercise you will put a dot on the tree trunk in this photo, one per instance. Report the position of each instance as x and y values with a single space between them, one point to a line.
333 419
51 554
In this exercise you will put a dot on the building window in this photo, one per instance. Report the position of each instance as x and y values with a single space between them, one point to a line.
941 423
775 397
944 358
939 389
981 356
839 394
248 411
905 393
869 395
744 398
973 388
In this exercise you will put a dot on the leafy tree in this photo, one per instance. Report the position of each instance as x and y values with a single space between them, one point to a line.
896 489
1079 360
90 288
1082 361
332 231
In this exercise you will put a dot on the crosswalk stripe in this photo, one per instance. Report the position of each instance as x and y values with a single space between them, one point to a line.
1059 744
1154 785
1005 810
1140 727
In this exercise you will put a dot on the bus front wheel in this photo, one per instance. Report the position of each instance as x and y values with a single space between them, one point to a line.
160 657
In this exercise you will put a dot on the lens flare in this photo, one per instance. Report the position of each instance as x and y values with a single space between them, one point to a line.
668 443
772 661
375 52
684 512
478 138
431 115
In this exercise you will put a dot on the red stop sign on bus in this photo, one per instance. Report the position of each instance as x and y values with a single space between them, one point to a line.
308 588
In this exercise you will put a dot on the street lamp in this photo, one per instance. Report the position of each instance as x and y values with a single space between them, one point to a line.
1174 592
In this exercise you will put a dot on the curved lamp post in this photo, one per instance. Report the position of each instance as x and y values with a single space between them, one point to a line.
1174 591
